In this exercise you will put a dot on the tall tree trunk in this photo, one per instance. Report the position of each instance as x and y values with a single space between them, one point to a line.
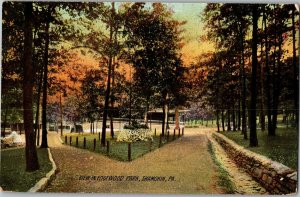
91 127
146 111
261 101
113 80
176 118
107 93
165 115
218 122
45 87
163 121
74 122
233 117
268 75
61 117
244 119
228 120
223 120
239 113
130 95
253 135
296 71
32 163
277 90
37 115
4 123
106 107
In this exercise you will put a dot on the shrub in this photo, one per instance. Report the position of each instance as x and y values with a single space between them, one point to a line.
134 135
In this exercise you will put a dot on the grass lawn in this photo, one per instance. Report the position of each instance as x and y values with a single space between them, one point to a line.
117 150
13 176
282 148
199 123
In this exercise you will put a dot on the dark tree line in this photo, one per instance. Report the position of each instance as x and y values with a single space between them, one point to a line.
253 68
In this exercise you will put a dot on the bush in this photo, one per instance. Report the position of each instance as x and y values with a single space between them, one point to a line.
134 135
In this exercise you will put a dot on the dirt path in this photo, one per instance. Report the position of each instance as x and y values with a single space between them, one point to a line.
243 181
187 160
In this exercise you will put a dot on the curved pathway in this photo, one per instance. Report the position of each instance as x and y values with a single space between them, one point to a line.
186 159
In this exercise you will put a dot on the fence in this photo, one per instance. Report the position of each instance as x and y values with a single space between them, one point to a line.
93 143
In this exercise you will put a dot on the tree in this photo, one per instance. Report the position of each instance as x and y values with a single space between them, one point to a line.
12 63
253 135
92 88
45 79
227 25
31 154
153 51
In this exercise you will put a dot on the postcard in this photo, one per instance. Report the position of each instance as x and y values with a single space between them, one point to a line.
149 98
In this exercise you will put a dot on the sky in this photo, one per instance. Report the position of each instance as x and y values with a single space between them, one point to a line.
191 12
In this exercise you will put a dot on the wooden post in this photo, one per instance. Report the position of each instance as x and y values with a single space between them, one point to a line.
160 140
174 135
77 141
155 132
70 140
84 143
107 147
66 139
182 131
99 136
179 132
94 144
129 151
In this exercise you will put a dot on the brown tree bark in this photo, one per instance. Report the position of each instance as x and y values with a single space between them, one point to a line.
239 114
112 100
228 120
107 93
261 81
45 88
244 119
165 114
253 135
113 78
4 123
223 120
233 117
176 118
37 115
61 117
268 75
296 71
32 163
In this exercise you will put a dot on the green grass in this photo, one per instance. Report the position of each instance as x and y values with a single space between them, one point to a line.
13 176
196 123
117 150
282 148
224 180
